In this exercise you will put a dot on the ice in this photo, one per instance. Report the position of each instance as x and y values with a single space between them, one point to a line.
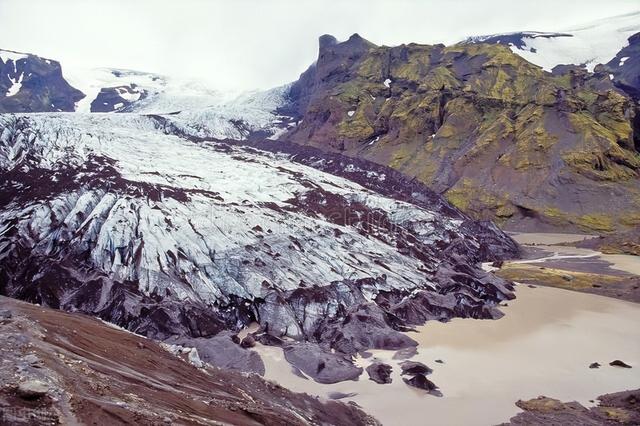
203 243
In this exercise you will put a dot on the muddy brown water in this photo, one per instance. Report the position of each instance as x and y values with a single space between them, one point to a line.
542 346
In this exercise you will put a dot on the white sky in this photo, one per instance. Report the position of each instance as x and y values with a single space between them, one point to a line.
245 44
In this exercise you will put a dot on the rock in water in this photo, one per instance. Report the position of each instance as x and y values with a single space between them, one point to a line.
321 365
379 372
619 363
421 382
341 395
414 367
406 353
221 351
248 342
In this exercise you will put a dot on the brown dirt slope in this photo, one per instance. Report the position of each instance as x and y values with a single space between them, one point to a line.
60 368
500 137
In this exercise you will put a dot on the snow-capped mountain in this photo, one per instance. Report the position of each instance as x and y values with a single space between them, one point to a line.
624 68
589 45
196 108
31 83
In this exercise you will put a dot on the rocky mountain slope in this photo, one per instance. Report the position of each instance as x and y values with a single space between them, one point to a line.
128 218
624 70
501 138
29 83
60 368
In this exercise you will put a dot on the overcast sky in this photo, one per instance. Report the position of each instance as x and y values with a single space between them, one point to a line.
243 44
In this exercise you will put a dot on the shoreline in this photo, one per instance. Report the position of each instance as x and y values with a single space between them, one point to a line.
542 346
551 261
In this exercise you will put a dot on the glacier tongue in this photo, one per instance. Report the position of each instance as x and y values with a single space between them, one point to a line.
165 234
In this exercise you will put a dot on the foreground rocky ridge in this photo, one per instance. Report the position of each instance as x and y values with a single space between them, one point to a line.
166 235
620 408
60 368
501 138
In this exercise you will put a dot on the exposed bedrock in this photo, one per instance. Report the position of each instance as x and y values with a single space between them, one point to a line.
501 138
379 372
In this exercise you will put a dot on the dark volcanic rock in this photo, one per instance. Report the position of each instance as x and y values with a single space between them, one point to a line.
379 372
221 351
619 363
321 365
415 368
248 342
117 99
421 382
406 353
365 326
29 83
625 67
621 408
268 339
594 365
341 395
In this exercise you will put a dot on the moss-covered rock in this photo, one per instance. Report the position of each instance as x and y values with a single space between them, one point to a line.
502 138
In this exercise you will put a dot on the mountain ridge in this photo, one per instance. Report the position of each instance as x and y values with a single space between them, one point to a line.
433 111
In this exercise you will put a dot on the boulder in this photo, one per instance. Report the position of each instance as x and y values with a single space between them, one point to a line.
379 372
341 395
406 353
421 382
321 365
222 352
248 342
414 367
618 363
32 389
